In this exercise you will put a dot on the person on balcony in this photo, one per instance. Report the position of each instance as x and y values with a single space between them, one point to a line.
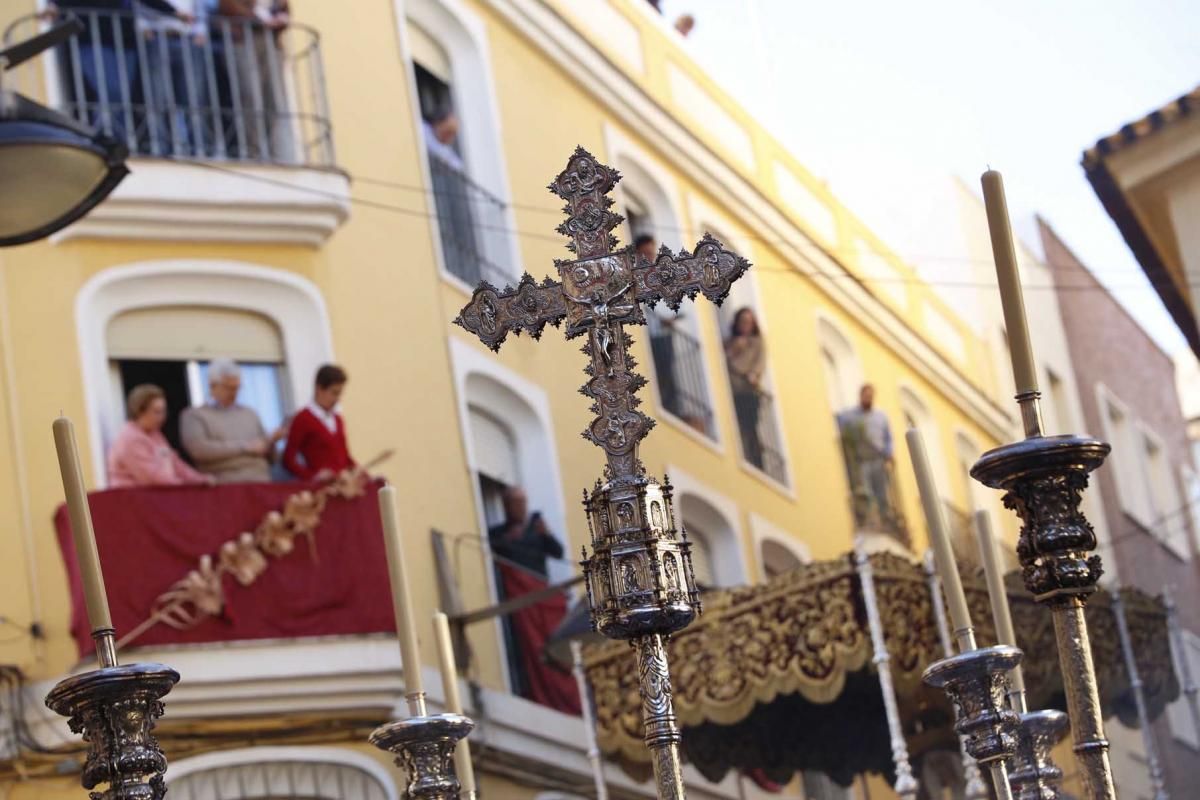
867 441
180 116
224 439
316 447
256 28
141 455
746 359
108 66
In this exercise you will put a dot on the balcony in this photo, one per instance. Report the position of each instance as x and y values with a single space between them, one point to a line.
679 370
472 225
874 492
226 122
761 443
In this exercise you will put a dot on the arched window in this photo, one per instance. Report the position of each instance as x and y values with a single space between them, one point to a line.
843 373
680 372
270 773
777 558
163 321
172 346
716 555
456 109
755 410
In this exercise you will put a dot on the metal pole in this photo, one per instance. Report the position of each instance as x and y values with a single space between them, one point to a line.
1139 697
658 716
975 788
906 785
1183 667
589 720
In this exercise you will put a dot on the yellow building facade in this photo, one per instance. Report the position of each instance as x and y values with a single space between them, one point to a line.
343 251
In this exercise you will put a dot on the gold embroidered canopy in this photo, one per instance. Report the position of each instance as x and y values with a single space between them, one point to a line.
778 677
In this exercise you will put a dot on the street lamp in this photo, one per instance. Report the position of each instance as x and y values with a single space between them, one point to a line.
53 170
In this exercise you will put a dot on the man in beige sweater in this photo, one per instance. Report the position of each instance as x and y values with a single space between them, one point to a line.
224 439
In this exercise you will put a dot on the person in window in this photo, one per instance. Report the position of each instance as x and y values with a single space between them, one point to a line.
522 538
867 441
453 192
141 455
316 444
224 439
746 357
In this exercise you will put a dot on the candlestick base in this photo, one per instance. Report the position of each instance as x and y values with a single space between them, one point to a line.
424 748
115 709
976 682
1034 775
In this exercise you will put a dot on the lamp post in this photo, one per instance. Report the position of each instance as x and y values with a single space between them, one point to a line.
53 170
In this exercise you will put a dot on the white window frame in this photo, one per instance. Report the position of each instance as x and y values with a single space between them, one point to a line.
763 531
1179 715
650 183
336 756
706 219
293 303
728 563
462 34
1127 459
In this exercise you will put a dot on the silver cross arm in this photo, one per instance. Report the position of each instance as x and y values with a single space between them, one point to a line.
493 313
710 271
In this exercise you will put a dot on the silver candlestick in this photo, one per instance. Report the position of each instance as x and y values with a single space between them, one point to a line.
424 748
976 681
975 788
115 708
1043 478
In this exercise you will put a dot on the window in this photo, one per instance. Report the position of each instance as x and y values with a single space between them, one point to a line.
173 346
1126 459
1191 487
278 773
777 559
674 336
1179 714
455 105
716 547
1167 523
843 375
1060 419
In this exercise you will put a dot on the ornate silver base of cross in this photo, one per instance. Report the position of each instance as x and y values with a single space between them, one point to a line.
639 575
1043 478
115 708
976 681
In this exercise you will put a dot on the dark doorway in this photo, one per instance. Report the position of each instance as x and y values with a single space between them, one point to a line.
171 377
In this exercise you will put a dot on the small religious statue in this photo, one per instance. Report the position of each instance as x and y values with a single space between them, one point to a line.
629 575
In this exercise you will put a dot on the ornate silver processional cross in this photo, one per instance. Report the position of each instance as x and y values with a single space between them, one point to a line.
639 576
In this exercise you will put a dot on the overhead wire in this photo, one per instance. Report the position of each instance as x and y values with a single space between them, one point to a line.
421 214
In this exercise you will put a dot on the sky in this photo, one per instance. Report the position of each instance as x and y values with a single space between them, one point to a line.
884 100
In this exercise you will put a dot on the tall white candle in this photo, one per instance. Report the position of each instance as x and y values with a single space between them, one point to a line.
86 554
401 601
462 752
943 553
1001 614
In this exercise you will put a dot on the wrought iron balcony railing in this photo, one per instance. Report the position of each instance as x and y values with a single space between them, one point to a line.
759 433
679 370
874 493
217 88
472 225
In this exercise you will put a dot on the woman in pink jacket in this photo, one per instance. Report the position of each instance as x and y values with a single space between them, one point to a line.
141 455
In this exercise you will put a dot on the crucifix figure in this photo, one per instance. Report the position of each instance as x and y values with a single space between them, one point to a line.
630 516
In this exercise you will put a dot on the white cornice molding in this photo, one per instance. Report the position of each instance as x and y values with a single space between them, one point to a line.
196 202
634 108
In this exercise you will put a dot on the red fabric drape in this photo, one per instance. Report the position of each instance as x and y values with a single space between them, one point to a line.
532 626
149 538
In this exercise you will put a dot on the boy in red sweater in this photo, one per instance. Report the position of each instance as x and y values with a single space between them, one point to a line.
316 444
